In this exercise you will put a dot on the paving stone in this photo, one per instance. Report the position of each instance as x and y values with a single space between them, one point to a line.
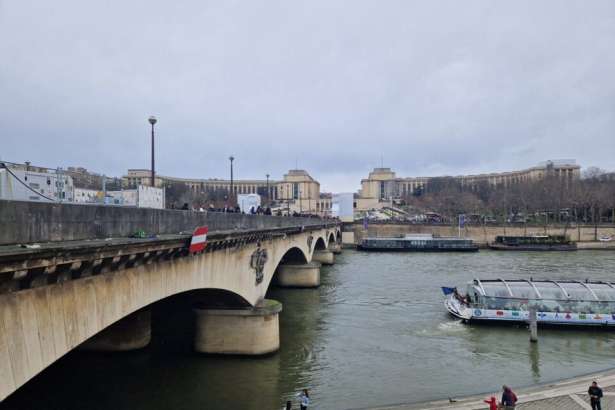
608 402
556 403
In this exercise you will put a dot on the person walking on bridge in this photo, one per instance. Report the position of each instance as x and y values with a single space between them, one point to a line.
595 394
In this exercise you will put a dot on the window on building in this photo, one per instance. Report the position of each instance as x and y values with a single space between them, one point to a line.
295 190
382 190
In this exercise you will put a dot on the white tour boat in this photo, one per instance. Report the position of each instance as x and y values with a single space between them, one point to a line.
557 302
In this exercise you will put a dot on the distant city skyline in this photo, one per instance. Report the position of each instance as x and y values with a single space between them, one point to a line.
437 88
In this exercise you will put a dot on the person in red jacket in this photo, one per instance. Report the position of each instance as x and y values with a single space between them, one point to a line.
493 403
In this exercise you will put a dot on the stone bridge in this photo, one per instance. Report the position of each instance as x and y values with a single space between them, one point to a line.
72 276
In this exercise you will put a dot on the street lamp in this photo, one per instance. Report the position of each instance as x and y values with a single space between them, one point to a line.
267 175
231 158
152 120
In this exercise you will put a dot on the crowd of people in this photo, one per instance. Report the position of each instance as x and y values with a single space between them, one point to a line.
254 210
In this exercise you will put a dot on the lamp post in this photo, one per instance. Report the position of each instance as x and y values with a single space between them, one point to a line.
152 120
231 158
267 175
300 203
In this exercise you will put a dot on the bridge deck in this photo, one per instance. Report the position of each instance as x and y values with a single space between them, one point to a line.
29 265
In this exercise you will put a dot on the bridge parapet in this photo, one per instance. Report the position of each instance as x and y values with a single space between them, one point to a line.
24 266
29 222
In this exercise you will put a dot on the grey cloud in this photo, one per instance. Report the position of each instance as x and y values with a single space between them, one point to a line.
443 87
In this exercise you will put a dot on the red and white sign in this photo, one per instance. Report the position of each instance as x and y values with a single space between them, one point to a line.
199 239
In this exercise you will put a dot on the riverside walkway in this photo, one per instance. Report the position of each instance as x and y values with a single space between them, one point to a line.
570 394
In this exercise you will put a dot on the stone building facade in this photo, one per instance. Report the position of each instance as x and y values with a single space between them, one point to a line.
382 186
297 191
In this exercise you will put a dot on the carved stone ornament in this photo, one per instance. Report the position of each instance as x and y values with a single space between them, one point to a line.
310 239
257 262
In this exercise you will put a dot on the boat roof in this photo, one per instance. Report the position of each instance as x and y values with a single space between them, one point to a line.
546 289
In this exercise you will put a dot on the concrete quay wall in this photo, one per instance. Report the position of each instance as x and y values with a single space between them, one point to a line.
27 222
584 235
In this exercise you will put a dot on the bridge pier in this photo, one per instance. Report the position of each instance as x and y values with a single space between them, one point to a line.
247 331
336 248
325 256
130 333
305 275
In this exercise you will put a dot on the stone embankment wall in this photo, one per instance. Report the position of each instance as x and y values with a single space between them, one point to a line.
584 235
26 222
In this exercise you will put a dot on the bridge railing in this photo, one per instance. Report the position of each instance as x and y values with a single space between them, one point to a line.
28 222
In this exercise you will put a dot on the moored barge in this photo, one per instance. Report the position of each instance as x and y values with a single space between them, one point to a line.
557 303
418 243
533 243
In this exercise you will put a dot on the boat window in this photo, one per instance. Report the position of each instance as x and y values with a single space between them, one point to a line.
558 306
549 290
522 290
577 291
496 289
603 291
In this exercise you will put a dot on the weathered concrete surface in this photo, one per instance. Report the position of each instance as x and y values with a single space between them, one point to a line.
250 331
354 233
325 257
335 248
130 333
40 325
568 394
27 222
298 276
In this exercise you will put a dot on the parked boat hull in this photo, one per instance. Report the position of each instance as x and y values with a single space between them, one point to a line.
409 249
537 247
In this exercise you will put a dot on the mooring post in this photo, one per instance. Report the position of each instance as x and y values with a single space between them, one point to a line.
533 325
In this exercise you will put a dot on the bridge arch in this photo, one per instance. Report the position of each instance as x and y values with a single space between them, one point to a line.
293 255
320 244
332 237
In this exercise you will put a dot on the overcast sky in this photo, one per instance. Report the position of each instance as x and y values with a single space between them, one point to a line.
432 87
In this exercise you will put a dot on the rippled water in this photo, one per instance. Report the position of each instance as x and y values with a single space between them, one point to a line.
374 333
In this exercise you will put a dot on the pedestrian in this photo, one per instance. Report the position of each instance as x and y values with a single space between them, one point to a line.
492 402
304 399
509 398
595 394
289 405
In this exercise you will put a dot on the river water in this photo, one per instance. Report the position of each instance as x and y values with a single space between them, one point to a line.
374 333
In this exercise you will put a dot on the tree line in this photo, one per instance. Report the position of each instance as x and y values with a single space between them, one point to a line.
551 199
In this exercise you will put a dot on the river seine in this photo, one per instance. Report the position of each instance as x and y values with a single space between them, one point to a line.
374 333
